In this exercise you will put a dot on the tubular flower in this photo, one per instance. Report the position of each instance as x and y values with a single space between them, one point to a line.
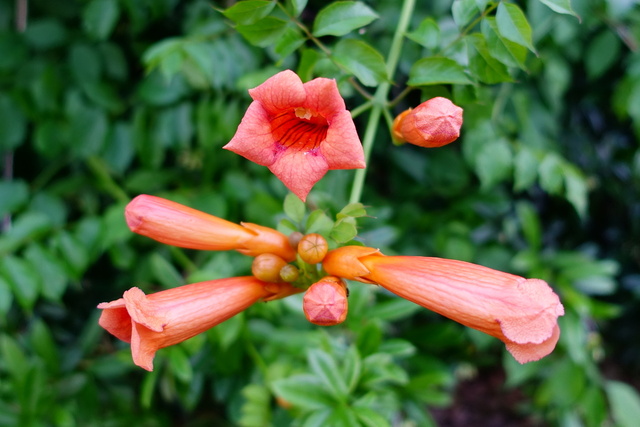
178 225
521 312
298 130
152 322
325 302
433 123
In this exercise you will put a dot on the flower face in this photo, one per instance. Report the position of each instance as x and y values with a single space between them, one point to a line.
521 312
433 123
178 225
298 130
152 322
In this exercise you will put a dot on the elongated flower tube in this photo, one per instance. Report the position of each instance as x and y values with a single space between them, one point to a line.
433 123
178 225
298 130
152 322
521 312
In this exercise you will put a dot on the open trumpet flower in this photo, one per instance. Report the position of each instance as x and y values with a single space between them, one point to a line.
521 312
178 225
151 322
298 130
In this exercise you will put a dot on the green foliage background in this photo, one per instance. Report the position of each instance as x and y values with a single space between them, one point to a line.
103 100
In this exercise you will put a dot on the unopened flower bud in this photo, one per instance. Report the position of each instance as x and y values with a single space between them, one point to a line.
313 248
289 273
266 267
325 302
433 123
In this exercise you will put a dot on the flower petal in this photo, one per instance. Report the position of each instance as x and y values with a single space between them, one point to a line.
323 97
253 140
280 92
299 171
342 147
531 352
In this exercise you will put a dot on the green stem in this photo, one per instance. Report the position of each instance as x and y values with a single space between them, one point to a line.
101 172
380 98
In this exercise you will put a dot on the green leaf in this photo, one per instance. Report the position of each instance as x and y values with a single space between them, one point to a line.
509 53
362 60
14 361
12 125
265 32
45 33
344 231
624 402
297 6
289 42
530 224
427 34
482 65
551 174
353 210
493 163
342 17
44 345
179 363
164 272
24 280
513 25
294 208
435 71
352 368
369 417
305 391
318 222
576 190
463 11
561 6
13 195
27 226
602 53
249 12
393 310
6 297
525 169
51 271
326 368
73 253
100 17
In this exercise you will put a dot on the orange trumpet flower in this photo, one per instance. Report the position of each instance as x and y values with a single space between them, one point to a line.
152 322
298 130
521 312
178 225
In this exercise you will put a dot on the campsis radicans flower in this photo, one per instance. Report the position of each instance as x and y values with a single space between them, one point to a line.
521 312
178 225
151 322
298 130
433 123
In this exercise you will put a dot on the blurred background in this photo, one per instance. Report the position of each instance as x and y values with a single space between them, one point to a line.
103 100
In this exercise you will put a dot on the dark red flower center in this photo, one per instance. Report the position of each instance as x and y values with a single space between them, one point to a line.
299 129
